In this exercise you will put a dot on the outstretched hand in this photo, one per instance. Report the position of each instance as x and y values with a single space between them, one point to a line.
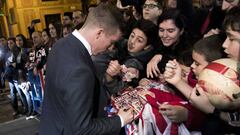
126 114
152 66
175 113
173 72
114 68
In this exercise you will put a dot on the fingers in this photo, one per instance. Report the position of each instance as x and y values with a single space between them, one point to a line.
199 98
167 111
152 66
212 32
127 114
114 68
123 68
171 64
234 119
149 70
143 82
199 90
169 73
156 70
195 94
170 69
164 108
174 113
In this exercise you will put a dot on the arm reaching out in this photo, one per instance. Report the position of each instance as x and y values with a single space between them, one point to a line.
114 68
152 66
173 72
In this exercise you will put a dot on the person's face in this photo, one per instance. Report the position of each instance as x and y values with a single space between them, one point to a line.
37 39
199 63
78 18
169 32
10 44
66 20
45 36
52 31
228 4
151 10
104 41
66 32
19 41
172 3
3 41
137 41
232 44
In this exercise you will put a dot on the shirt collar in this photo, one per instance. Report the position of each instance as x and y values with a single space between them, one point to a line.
83 40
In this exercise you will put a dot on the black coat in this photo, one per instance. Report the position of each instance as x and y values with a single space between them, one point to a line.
72 100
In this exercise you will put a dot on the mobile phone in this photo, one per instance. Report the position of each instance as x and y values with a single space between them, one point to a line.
36 21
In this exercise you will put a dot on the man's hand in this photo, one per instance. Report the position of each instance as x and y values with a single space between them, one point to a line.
126 114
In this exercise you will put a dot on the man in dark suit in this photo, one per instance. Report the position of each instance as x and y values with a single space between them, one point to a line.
72 96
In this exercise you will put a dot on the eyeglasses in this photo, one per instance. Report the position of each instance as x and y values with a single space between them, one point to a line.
150 6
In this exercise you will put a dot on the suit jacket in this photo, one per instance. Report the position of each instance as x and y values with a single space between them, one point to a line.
72 98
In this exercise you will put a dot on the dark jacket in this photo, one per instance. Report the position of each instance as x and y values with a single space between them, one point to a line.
72 99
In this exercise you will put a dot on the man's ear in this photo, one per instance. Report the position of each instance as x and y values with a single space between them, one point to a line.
99 33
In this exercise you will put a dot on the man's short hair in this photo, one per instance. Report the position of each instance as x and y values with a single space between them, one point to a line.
106 16
37 32
12 38
69 14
